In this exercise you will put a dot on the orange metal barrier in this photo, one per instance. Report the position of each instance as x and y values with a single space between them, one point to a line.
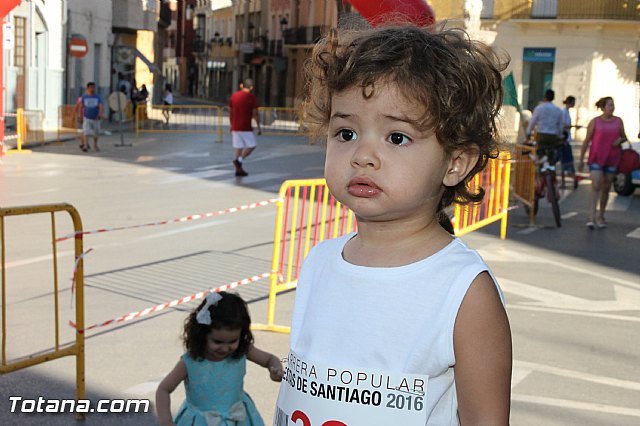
75 349
495 206
179 119
524 177
307 214
68 124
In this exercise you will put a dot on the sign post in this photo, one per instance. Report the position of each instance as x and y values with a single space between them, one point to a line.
6 6
118 103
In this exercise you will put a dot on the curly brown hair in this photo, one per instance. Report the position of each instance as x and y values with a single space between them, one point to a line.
456 79
230 313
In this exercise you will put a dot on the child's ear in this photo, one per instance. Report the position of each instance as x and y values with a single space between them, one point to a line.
460 164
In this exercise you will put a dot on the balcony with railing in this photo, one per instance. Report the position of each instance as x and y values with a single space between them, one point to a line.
621 10
304 35
135 14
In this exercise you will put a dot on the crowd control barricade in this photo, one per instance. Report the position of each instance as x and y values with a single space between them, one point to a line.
179 119
74 349
69 124
524 177
495 205
29 129
307 214
277 121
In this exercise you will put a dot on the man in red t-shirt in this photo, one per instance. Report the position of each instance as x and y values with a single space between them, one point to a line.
243 106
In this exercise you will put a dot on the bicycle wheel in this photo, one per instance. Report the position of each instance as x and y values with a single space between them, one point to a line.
552 196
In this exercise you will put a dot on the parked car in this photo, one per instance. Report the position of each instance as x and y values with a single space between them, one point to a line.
626 183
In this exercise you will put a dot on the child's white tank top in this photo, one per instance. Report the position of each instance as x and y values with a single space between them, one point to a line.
397 319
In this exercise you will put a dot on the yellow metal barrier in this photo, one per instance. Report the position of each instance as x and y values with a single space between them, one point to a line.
76 349
495 206
276 121
307 214
179 119
524 177
29 127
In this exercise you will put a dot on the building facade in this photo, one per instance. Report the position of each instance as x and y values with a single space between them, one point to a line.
43 69
179 68
34 66
213 49
204 48
585 48
89 20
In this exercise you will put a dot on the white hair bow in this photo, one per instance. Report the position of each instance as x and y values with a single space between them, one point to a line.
204 316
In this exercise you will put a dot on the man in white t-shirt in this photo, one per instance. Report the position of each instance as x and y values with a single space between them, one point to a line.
547 120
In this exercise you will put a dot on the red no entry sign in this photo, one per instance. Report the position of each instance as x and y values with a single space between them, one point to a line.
78 46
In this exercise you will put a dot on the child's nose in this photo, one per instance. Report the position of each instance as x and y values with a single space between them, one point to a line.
366 153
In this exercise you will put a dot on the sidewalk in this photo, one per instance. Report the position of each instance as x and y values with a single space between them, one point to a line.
107 127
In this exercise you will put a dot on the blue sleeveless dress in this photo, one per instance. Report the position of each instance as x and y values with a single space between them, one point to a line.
215 394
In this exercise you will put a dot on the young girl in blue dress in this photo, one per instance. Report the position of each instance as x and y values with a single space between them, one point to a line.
218 343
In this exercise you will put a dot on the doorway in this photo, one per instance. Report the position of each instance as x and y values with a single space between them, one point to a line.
537 74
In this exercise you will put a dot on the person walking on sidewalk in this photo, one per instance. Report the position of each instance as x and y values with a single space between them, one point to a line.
167 101
547 119
92 107
243 107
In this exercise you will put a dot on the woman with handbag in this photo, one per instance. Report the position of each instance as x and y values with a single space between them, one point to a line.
605 135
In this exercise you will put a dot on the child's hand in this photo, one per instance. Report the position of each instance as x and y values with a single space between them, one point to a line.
275 369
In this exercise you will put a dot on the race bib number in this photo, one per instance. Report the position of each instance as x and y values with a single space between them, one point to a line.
313 394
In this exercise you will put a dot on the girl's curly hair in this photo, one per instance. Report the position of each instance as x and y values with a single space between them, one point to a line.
456 79
230 313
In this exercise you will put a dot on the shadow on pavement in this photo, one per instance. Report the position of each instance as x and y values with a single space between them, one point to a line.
31 386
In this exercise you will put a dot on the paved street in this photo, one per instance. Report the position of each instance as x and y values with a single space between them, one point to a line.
573 295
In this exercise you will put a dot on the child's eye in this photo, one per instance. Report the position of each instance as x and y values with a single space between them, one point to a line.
346 135
399 139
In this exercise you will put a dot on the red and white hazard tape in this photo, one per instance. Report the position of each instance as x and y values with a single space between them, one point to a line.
10 137
186 299
182 219
75 272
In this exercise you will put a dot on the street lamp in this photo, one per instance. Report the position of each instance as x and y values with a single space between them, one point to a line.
218 39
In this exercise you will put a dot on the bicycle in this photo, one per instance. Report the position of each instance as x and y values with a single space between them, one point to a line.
546 185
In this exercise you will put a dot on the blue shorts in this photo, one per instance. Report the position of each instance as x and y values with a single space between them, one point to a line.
611 170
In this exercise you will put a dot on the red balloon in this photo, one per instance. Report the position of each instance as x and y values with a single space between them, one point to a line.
377 11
